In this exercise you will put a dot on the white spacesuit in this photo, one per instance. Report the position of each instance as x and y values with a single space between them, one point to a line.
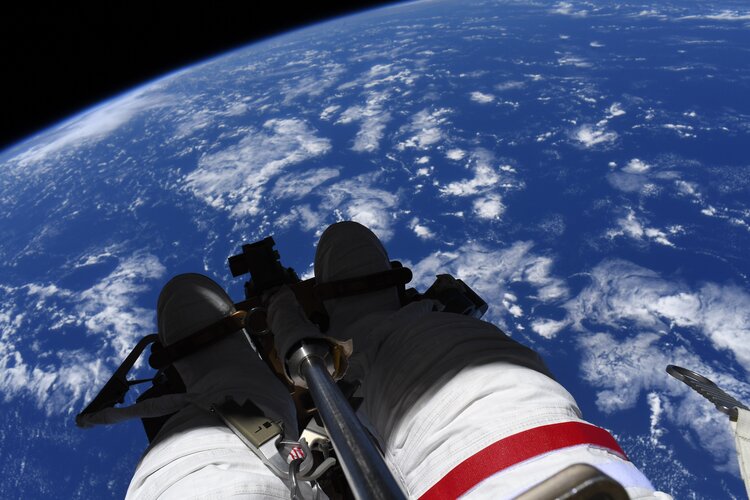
195 455
457 407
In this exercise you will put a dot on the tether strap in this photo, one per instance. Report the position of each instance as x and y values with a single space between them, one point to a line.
163 356
397 276
515 449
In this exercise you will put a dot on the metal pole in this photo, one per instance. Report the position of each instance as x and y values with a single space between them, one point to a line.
364 467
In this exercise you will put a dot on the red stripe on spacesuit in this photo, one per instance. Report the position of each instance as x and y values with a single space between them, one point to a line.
515 449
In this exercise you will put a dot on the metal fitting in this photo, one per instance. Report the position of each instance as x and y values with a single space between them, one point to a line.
308 350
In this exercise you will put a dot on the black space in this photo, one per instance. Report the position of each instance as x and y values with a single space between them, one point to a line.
58 60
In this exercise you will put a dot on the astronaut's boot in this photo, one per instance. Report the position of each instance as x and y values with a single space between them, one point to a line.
187 303
228 367
349 250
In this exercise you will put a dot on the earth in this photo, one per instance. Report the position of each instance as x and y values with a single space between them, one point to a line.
582 165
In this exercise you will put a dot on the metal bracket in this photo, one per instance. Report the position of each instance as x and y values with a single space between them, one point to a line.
708 389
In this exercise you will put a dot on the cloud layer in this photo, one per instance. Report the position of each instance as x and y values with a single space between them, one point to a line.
105 316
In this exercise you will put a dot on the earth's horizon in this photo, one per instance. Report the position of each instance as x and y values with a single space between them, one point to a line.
582 165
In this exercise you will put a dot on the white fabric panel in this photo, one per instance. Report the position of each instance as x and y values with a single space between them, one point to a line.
199 457
742 440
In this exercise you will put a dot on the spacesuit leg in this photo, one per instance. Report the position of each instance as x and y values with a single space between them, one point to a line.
440 388
202 458
195 455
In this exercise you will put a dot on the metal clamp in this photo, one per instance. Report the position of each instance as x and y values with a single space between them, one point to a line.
308 350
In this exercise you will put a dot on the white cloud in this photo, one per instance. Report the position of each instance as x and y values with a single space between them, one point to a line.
615 110
485 176
235 178
650 13
403 77
567 9
329 111
656 431
236 109
89 127
487 204
455 154
58 380
636 166
514 84
688 189
192 121
55 389
538 273
615 295
625 368
723 315
629 183
491 271
46 291
359 201
349 199
724 15
307 84
88 260
426 129
422 231
384 75
548 328
632 323
379 70
590 137
509 302
515 311
373 119
596 45
635 228
301 184
622 293
684 131
572 60
109 308
482 98
543 137
639 176
307 218
489 207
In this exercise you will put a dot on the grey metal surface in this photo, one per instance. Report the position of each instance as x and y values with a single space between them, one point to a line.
577 482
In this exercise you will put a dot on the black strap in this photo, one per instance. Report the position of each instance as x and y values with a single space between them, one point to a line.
398 276
163 356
